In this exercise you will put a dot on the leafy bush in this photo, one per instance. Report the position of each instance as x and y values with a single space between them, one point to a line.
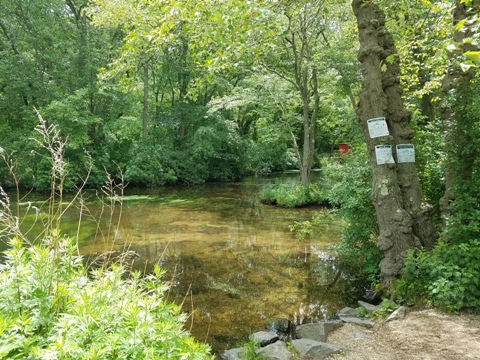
447 276
346 183
309 228
146 167
50 308
269 155
292 196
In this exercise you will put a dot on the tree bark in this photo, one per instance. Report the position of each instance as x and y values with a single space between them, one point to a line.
404 218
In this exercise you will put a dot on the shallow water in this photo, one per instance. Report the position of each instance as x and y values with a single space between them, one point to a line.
232 261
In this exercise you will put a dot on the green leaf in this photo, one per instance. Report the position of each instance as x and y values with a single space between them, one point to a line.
473 55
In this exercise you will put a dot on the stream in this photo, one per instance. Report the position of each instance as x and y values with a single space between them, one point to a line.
232 262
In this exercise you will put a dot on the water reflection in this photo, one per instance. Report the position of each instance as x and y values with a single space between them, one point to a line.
232 261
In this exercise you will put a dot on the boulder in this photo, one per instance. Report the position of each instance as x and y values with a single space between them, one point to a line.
265 338
348 312
275 351
317 331
313 331
312 349
331 325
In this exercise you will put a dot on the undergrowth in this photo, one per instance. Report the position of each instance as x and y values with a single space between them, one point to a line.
53 306
292 196
447 276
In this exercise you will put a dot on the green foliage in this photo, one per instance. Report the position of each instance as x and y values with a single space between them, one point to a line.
269 155
212 152
430 158
361 312
464 163
316 225
386 308
346 183
249 350
448 277
292 196
50 307
145 166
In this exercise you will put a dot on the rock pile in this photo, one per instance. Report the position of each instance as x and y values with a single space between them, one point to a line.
309 340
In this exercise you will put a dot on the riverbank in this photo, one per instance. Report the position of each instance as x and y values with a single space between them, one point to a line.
421 335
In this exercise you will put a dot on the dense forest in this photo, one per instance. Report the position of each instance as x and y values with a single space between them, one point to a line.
157 93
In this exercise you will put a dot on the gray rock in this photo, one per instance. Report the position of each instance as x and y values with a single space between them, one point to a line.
397 314
265 338
312 349
317 331
331 325
313 331
367 323
348 312
233 354
369 307
275 351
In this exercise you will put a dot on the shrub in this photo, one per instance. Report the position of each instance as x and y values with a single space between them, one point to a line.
146 167
50 308
447 276
269 155
346 183
292 196
310 228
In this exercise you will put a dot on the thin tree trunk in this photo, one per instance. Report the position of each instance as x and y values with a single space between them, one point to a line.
145 101
404 218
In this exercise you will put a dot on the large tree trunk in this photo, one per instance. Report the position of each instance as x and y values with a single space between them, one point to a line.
404 218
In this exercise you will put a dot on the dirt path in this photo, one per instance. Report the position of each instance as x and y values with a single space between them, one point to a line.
421 335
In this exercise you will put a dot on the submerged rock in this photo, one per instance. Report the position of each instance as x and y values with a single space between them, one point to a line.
280 326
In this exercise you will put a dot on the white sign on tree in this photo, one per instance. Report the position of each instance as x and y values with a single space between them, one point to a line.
405 153
377 127
384 154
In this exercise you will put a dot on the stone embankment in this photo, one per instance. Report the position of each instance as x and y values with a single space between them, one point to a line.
308 341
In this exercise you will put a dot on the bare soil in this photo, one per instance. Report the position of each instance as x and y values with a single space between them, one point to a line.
421 335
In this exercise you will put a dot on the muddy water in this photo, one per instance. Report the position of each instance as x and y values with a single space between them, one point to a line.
232 261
